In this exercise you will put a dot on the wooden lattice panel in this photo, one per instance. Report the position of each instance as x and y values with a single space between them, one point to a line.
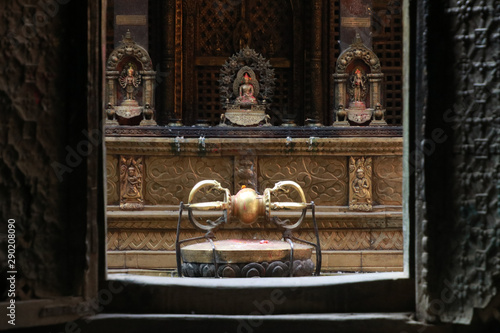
110 30
281 102
334 51
387 43
335 29
271 24
307 61
216 23
208 96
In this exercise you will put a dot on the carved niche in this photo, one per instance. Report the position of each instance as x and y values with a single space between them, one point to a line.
246 88
245 172
358 91
130 85
360 184
131 183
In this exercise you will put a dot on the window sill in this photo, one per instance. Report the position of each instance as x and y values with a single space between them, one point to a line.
353 293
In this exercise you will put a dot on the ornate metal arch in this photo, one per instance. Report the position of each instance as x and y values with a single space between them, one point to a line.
250 58
358 50
129 47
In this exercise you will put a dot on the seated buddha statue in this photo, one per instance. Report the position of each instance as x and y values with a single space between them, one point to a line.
246 96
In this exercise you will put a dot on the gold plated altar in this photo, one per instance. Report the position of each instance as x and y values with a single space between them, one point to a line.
246 257
242 95
358 91
129 85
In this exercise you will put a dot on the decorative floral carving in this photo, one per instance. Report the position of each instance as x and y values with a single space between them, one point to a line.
324 179
128 47
388 180
358 50
169 180
136 238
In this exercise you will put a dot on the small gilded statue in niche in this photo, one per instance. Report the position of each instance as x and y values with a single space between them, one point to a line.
360 194
130 81
358 81
246 92
131 183
361 187
245 173
358 87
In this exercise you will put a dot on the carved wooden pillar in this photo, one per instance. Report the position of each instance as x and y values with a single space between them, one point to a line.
298 63
340 81
111 78
178 71
316 68
168 62
333 52
375 89
110 100
188 16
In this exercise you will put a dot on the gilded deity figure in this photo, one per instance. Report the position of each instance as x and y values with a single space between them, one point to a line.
361 188
132 184
130 82
358 83
246 92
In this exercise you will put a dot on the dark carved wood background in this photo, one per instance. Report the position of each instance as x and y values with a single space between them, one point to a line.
43 116
457 159
281 31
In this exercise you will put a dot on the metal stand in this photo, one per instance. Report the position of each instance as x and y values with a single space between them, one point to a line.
282 224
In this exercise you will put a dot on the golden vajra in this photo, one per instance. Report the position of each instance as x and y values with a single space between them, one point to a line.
247 205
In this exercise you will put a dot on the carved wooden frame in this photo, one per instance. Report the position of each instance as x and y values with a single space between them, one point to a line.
423 220
46 309
426 238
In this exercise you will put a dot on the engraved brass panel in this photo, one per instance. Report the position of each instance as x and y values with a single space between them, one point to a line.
323 179
170 179
112 179
388 180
